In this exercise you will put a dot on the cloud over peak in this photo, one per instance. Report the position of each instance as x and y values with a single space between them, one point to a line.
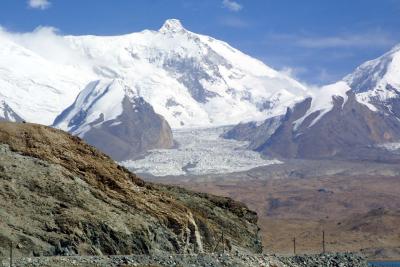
39 4
232 5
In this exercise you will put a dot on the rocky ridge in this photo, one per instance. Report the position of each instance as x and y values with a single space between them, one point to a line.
349 129
60 196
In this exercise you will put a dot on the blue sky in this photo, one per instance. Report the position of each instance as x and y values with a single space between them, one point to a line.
317 41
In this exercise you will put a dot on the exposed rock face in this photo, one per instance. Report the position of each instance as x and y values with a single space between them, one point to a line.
60 196
132 133
256 134
348 130
109 116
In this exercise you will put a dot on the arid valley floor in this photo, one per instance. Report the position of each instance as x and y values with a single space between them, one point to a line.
356 203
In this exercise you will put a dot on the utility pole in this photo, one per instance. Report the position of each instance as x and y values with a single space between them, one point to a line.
294 245
323 242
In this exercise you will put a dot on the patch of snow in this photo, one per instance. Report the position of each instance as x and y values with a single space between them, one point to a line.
117 122
365 101
200 151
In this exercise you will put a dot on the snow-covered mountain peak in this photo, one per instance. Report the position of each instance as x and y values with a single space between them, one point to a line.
172 25
190 79
377 82
377 78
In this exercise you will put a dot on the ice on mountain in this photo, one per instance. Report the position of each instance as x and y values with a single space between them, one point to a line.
200 151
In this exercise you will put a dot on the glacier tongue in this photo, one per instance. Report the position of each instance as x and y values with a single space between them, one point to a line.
200 151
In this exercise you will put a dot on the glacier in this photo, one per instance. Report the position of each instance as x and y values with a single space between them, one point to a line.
200 151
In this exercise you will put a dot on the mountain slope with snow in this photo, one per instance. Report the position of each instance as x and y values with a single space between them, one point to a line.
7 113
35 87
377 82
109 115
376 75
351 118
190 79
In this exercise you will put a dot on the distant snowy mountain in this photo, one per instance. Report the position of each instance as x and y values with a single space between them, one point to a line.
112 90
351 118
124 93
190 79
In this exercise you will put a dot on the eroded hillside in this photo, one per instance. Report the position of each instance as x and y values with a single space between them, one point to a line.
60 196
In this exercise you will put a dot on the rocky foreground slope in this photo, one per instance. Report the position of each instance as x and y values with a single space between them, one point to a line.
60 196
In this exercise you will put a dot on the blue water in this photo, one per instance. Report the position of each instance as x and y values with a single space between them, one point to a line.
385 264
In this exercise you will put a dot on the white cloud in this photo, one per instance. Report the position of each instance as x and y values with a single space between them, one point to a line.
232 5
293 72
39 4
324 76
357 40
47 43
